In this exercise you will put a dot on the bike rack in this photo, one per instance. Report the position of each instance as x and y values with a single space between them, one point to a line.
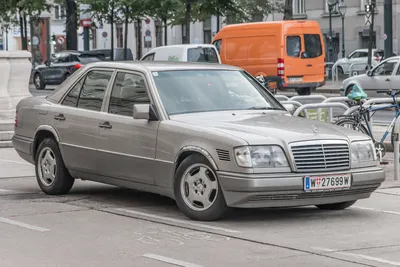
330 68
282 98
295 103
320 105
330 110
396 145
308 97
356 64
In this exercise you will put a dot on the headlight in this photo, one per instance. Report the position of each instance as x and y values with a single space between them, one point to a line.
363 154
260 157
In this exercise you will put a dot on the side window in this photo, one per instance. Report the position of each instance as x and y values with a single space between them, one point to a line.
71 99
93 90
363 54
398 70
354 55
128 89
293 46
218 44
386 68
149 57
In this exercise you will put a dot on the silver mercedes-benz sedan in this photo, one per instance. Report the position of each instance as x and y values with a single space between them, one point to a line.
209 136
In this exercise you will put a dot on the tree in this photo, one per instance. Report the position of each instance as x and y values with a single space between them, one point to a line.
217 8
254 10
166 11
71 24
288 10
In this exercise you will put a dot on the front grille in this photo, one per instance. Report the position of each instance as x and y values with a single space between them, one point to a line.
223 155
321 157
312 195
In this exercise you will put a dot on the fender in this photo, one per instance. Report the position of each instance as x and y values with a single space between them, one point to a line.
46 128
198 150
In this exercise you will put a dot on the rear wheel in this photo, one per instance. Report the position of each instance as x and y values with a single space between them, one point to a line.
51 174
352 124
337 206
303 91
38 81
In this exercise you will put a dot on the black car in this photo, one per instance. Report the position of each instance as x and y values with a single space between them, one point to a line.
59 68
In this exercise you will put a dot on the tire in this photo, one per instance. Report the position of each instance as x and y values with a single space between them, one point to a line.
38 81
52 180
303 91
349 89
337 206
191 188
354 124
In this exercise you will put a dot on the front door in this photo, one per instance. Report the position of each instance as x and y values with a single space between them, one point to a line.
77 120
395 79
128 146
380 78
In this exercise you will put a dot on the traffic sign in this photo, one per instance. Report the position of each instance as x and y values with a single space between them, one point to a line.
147 20
60 40
148 33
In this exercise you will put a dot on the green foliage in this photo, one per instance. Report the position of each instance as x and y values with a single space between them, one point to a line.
248 9
166 10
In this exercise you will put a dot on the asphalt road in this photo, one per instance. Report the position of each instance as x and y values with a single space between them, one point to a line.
98 225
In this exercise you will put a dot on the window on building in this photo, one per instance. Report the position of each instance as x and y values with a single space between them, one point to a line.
299 7
93 90
94 39
207 31
59 12
120 36
128 89
257 17
159 33
335 8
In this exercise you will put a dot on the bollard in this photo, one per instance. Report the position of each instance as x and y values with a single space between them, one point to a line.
396 144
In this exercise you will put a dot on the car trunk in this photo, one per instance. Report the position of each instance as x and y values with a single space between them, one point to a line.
304 61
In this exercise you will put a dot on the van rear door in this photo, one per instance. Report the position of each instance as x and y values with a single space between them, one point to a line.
304 61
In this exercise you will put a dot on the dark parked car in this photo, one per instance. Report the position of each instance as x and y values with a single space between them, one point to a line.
59 68
105 54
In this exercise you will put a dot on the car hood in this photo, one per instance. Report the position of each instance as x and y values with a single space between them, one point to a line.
268 127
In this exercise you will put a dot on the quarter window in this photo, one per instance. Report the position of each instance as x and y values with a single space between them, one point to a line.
293 46
149 57
128 89
93 90
71 99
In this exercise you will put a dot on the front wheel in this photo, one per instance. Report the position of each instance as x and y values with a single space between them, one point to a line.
197 190
337 206
38 81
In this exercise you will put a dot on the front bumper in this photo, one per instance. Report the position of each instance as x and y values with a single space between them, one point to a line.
286 189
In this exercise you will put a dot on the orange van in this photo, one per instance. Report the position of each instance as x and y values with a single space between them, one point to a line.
289 54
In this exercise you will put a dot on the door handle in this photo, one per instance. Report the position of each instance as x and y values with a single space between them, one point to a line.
105 125
59 117
387 80
309 65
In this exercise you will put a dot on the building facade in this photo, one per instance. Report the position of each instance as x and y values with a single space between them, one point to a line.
152 32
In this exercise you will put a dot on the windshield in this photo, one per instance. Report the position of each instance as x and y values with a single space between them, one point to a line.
202 54
190 91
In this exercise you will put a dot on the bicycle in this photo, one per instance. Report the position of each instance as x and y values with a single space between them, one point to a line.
363 116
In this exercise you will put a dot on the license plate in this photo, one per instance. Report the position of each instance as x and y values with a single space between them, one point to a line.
321 183
296 80
272 85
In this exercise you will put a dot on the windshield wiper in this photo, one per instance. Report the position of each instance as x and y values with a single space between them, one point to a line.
263 108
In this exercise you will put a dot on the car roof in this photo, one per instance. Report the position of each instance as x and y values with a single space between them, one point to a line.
162 65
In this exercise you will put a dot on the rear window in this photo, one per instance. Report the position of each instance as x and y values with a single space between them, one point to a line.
87 60
293 46
202 54
313 47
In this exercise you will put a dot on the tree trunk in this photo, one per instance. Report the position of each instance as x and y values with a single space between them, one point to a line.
288 11
188 7
126 35
71 25
139 39
21 26
112 30
218 22
25 32
165 31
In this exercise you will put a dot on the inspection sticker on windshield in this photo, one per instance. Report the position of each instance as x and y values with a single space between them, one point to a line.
155 74
334 182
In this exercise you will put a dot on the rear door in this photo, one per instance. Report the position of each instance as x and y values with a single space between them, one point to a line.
304 60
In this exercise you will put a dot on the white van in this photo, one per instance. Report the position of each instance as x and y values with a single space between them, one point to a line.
186 53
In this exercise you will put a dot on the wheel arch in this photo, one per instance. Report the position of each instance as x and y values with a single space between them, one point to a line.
190 150
42 132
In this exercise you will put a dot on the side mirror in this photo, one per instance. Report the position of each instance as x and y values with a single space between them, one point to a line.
141 111
47 63
289 107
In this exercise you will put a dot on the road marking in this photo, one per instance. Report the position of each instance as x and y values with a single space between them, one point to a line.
170 260
378 210
14 161
24 225
178 221
366 257
5 190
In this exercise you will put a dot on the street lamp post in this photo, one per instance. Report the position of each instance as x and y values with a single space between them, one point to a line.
4 29
331 4
342 10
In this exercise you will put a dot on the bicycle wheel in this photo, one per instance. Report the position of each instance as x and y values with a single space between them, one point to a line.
353 124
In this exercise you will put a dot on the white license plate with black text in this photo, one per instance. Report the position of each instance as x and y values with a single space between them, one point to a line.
331 182
295 80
